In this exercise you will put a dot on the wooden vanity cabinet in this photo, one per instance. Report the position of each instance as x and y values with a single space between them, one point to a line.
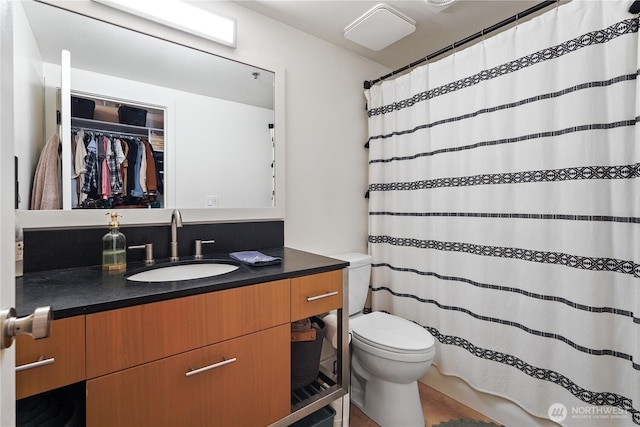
246 385
52 362
217 359
242 335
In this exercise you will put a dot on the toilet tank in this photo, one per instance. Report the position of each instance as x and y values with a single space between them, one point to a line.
359 271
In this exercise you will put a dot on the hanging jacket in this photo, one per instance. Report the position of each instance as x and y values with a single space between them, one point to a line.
46 188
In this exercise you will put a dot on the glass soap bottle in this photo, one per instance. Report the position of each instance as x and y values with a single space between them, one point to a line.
114 247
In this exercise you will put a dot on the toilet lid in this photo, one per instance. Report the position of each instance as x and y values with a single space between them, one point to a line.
391 332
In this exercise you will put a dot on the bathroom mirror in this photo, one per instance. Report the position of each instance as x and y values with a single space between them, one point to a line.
223 119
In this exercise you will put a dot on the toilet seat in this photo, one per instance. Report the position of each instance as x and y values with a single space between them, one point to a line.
391 333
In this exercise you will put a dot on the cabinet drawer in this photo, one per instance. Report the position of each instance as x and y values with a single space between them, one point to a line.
114 340
174 326
240 311
124 338
245 382
187 323
315 294
61 357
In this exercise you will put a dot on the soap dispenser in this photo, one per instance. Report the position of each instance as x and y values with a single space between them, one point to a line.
114 244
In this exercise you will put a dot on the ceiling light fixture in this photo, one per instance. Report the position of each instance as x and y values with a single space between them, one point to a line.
181 16
438 6
380 27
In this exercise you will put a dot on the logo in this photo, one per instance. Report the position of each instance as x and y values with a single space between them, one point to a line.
557 412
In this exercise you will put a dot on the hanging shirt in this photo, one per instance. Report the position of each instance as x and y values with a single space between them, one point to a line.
91 166
136 189
104 150
80 164
143 167
124 165
116 146
132 155
151 175
74 178
113 162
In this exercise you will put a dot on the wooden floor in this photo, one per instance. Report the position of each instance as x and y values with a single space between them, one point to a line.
436 408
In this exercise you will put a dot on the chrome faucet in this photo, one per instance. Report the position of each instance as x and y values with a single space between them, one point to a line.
176 221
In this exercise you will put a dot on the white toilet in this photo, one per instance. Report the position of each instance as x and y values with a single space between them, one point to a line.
388 355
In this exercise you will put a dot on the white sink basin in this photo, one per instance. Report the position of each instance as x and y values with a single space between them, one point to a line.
171 273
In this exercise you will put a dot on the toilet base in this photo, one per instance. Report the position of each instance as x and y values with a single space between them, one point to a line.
388 404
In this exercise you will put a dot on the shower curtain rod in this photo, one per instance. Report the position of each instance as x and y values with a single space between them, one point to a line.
514 18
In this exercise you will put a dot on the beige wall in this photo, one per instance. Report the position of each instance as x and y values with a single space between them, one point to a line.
326 131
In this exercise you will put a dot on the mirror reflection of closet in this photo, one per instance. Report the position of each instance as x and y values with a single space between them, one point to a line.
111 150
129 139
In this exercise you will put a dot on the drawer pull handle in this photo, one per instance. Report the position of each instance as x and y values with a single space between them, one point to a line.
206 368
41 362
328 294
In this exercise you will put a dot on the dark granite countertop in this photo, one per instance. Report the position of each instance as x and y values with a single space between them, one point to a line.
84 290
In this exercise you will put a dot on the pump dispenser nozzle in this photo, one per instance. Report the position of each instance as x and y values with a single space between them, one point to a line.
114 244
114 219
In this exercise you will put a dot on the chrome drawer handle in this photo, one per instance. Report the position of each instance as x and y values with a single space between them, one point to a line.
41 362
328 294
206 368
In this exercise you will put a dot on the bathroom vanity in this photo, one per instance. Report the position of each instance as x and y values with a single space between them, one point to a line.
213 351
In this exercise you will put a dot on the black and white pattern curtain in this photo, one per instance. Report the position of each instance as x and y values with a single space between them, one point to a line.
505 211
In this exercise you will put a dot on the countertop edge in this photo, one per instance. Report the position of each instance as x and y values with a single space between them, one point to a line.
33 290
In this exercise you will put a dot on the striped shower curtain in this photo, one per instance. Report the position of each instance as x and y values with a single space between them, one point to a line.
505 212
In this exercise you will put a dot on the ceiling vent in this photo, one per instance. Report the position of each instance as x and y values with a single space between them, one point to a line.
438 6
379 27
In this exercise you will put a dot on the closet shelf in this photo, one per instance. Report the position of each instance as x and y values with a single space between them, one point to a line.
99 125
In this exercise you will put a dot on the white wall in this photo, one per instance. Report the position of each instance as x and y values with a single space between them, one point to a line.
28 112
326 128
232 158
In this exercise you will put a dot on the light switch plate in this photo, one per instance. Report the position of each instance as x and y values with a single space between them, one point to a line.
211 202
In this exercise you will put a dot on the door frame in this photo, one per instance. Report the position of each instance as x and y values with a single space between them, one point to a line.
7 207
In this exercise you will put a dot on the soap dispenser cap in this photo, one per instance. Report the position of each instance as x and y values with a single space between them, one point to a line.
114 219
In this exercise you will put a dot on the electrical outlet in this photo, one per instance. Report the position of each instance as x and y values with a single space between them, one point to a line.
19 258
19 250
211 201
